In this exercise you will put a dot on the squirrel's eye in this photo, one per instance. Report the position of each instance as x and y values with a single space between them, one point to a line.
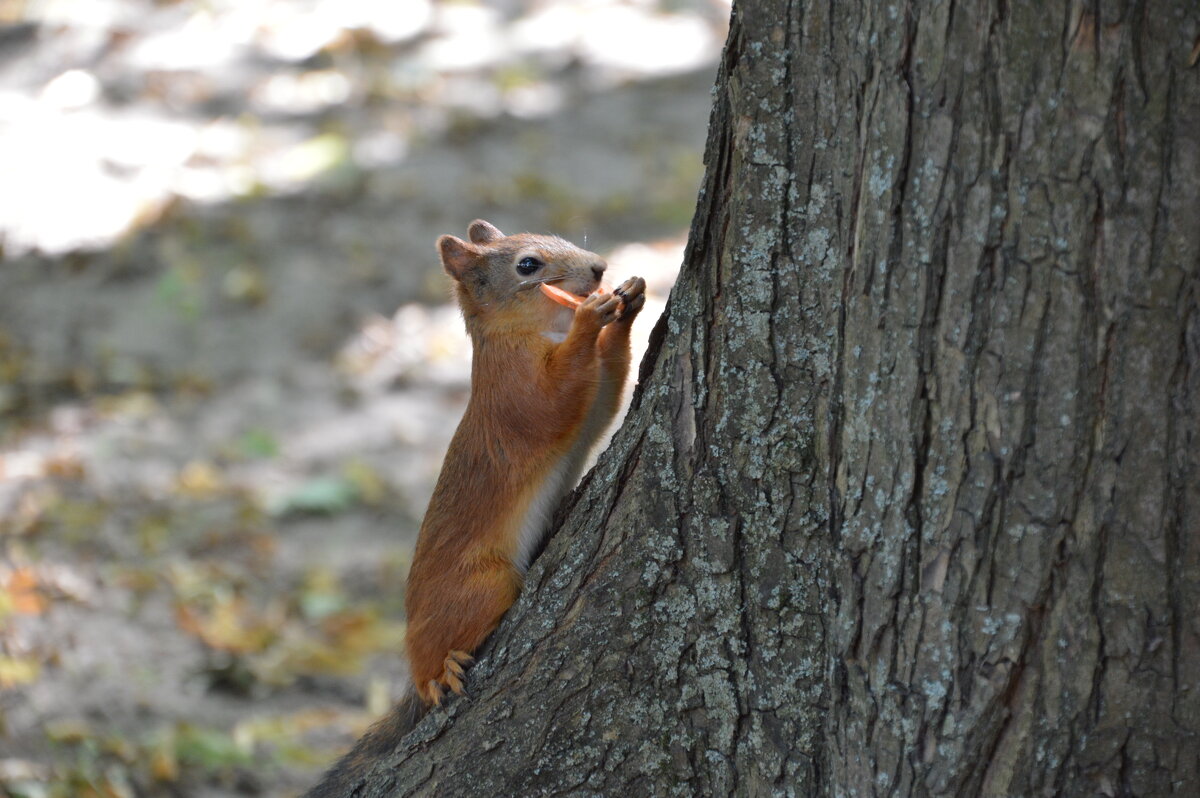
528 266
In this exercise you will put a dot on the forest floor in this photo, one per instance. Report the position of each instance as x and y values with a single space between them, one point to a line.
228 370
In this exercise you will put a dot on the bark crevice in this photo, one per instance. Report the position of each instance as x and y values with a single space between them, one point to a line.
904 500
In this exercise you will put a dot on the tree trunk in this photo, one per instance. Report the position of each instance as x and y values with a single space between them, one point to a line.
908 501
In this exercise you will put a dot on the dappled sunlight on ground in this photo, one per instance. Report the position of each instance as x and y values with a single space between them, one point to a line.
228 367
131 103
241 551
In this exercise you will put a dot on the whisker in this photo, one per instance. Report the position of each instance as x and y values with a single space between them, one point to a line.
525 285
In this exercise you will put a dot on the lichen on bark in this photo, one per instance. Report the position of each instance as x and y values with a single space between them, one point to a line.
907 500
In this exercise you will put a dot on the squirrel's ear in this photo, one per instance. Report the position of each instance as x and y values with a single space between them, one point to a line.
481 232
457 256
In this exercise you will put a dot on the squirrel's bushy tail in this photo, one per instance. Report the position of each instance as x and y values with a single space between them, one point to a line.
379 741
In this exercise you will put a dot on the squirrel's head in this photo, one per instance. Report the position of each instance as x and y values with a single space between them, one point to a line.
496 276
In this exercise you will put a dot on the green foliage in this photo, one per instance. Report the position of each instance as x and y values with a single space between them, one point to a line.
258 443
178 289
208 749
357 483
320 496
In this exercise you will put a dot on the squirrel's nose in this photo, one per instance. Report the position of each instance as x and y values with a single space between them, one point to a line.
598 269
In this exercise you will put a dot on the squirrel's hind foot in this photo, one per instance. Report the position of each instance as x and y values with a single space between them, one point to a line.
453 674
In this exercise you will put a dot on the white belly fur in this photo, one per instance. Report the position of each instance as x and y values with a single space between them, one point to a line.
561 478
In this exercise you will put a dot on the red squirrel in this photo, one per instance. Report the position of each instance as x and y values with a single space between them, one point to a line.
546 381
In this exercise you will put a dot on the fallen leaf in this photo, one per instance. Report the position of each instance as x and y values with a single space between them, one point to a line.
69 731
24 593
164 763
15 671
199 479
369 486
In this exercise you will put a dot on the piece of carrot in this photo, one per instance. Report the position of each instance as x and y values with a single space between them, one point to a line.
564 298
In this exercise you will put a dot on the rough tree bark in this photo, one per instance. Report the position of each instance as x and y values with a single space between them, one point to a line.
908 502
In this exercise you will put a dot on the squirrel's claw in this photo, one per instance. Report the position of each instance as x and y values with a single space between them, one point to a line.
435 692
453 671
600 309
633 297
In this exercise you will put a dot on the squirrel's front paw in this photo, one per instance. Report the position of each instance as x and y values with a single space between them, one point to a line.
598 309
632 293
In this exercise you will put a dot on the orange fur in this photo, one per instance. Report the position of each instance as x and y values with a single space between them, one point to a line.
536 405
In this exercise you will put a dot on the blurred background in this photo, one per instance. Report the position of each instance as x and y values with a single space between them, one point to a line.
228 365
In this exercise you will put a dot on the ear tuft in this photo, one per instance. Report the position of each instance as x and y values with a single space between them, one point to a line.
481 232
457 256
